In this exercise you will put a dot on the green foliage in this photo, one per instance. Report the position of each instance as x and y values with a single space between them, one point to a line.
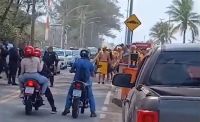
182 14
162 32
106 16
15 18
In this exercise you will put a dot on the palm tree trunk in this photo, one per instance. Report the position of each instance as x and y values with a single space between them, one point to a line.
6 11
193 37
184 35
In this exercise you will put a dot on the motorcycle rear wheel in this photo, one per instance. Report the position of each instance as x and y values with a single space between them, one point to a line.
75 108
28 107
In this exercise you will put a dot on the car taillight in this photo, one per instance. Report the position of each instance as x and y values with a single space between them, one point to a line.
147 116
30 83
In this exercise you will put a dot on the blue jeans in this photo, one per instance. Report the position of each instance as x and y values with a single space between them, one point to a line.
90 97
36 76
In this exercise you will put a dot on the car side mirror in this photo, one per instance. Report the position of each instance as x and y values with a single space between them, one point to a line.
123 80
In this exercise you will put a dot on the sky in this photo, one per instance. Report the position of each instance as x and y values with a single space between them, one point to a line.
149 12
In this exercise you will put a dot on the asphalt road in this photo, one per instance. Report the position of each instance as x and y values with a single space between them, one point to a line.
12 109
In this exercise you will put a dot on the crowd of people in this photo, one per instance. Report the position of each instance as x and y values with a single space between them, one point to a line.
29 62
10 58
108 61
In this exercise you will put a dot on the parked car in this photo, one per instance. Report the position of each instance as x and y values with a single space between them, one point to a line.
93 51
72 58
62 56
167 86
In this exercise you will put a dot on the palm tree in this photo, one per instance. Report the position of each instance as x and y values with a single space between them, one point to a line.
162 32
182 13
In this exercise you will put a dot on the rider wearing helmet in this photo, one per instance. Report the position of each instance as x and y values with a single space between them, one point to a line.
83 69
51 59
46 73
30 66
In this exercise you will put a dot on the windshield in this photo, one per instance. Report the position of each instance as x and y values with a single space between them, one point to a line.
60 53
68 53
177 69
76 52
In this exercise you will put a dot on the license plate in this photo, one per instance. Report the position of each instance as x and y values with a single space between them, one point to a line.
29 90
77 93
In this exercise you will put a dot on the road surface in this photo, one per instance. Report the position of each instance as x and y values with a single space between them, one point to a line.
12 109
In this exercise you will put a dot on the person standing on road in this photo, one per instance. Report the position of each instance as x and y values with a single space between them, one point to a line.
133 56
51 60
83 69
14 59
4 54
46 73
104 58
21 55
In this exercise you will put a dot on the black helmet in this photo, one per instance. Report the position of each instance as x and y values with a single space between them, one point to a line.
84 53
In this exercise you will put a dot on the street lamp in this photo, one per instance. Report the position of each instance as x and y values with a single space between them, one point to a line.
92 30
66 14
82 28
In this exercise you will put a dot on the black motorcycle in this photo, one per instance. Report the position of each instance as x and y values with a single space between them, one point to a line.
32 96
79 98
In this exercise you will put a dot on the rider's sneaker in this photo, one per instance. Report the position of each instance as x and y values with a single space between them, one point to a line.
65 112
54 111
93 114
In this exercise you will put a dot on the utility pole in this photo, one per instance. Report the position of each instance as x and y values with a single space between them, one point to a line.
33 23
82 30
130 33
92 30
63 28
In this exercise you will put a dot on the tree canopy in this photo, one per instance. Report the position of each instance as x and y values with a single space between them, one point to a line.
99 18
162 32
181 12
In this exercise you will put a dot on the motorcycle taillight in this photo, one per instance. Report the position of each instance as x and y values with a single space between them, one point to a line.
30 83
78 86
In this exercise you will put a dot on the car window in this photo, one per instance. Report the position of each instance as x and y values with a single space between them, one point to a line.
60 53
177 69
76 52
68 53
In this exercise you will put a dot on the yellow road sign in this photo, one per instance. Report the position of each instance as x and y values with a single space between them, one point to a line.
132 22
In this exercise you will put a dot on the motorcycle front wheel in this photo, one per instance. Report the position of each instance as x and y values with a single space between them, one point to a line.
75 108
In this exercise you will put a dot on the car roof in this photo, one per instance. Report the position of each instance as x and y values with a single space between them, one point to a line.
181 47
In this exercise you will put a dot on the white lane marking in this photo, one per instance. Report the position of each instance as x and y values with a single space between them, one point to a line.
104 109
107 100
102 116
12 97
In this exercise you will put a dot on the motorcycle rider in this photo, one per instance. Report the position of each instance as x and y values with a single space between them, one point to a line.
46 72
51 59
78 66
30 66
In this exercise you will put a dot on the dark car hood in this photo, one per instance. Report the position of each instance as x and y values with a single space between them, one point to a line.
176 91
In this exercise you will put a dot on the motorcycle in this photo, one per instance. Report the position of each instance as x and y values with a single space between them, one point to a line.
79 98
32 96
